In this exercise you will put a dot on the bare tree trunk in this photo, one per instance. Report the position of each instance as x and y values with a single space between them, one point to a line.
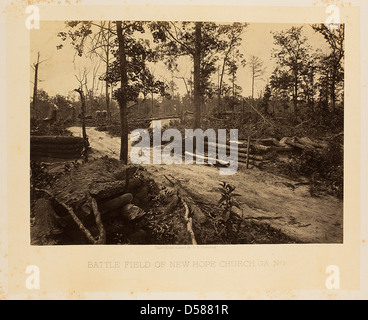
220 85
108 102
83 112
107 82
333 90
123 94
233 81
34 102
296 95
253 75
107 95
327 90
197 76
83 115
222 78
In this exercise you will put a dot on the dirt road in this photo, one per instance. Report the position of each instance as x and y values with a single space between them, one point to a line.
264 196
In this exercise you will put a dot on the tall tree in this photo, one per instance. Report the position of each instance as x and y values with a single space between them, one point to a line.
332 63
308 84
149 85
233 66
266 99
101 43
130 54
203 42
230 37
291 52
257 70
35 86
197 74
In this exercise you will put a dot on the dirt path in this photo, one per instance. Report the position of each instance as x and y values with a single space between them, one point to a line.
264 196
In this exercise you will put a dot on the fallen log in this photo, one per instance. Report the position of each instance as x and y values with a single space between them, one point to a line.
262 218
115 203
255 147
189 223
101 239
240 155
206 159
260 149
107 190
217 162
281 149
267 142
132 212
308 141
186 197
241 152
294 143
240 146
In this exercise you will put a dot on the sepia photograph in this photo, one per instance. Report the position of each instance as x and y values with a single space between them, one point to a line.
188 150
186 133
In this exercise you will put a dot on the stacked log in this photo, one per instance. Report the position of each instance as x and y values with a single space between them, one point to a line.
86 197
60 147
259 151
244 154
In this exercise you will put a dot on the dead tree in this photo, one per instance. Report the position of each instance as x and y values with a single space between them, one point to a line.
35 85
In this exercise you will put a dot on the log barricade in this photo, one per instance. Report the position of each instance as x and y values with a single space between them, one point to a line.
257 151
59 147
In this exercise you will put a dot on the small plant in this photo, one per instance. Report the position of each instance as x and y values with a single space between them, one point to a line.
223 224
227 200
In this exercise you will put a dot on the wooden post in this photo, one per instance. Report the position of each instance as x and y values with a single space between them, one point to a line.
248 152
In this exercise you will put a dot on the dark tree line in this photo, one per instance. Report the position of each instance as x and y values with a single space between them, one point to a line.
305 77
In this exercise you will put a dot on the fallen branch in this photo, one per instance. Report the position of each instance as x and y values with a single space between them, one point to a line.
189 222
302 123
185 196
79 223
262 218
102 233
260 114
304 225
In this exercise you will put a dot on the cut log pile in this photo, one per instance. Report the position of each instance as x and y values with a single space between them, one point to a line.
84 198
60 147
259 151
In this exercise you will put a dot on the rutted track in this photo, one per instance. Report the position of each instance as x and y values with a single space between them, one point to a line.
264 196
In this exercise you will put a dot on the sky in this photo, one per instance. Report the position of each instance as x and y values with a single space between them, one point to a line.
58 70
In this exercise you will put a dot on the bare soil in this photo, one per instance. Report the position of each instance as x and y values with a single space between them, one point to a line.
274 208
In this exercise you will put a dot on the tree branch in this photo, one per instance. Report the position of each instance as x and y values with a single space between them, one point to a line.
177 40
101 229
79 223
